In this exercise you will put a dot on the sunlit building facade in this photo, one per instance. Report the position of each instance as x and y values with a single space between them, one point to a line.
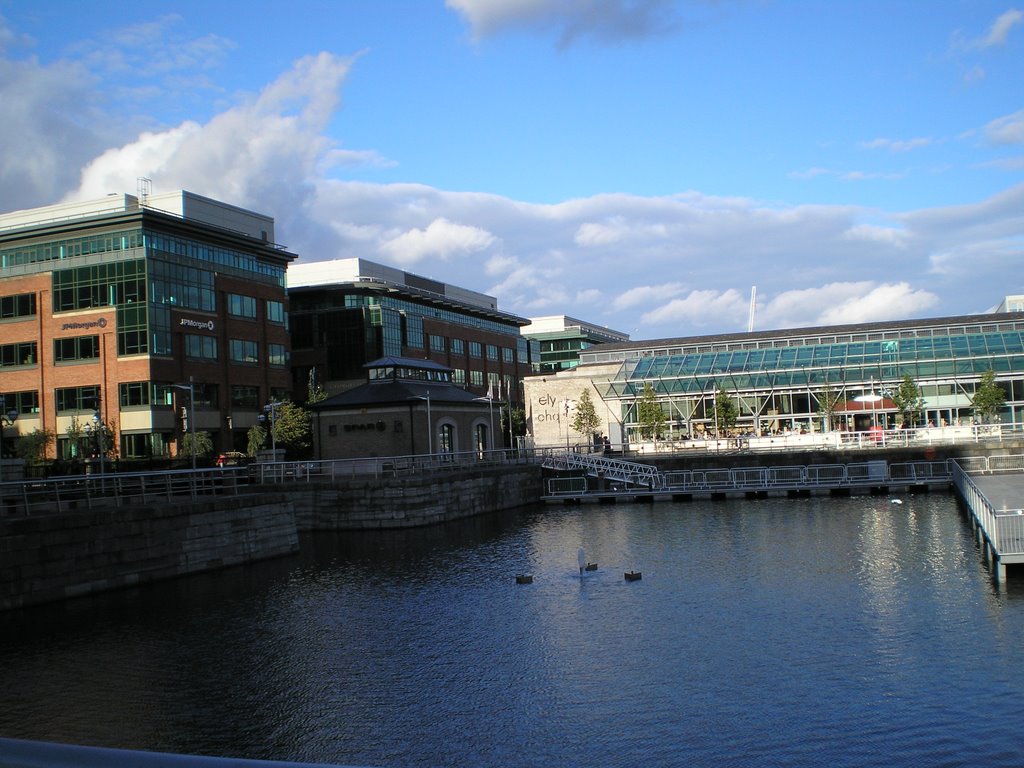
780 380
130 315
560 340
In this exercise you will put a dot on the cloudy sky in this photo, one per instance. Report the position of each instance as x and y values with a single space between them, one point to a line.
641 164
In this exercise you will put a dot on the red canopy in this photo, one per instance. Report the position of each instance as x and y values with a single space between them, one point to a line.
857 406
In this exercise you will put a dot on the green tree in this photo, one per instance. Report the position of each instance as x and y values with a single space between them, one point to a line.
32 447
726 411
828 399
585 420
518 415
314 393
75 433
293 429
650 418
203 445
908 400
257 438
988 398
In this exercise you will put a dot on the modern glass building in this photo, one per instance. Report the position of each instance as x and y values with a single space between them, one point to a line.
125 317
780 379
561 339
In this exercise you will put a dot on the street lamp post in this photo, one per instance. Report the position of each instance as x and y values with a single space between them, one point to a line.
6 419
568 405
430 424
489 397
270 411
192 414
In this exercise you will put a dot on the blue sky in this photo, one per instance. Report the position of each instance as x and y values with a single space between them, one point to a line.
635 163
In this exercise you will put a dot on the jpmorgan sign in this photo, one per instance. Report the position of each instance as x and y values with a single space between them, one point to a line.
85 325
199 325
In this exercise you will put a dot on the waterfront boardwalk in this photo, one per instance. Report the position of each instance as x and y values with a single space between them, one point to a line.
993 493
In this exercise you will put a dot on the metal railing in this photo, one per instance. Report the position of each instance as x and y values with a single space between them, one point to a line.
86 492
1004 528
825 476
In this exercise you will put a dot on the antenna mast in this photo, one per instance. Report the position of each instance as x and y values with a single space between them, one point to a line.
753 306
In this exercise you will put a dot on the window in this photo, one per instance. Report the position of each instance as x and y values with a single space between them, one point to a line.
474 349
458 347
200 347
436 343
506 354
76 348
277 354
275 311
476 378
133 393
22 402
22 305
206 395
243 396
241 306
77 398
492 352
459 376
23 353
244 351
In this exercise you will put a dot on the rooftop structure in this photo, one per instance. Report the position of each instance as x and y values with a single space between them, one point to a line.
561 339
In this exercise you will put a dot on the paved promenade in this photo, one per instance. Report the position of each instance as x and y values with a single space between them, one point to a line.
1004 491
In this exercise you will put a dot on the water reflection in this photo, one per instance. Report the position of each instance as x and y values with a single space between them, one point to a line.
797 632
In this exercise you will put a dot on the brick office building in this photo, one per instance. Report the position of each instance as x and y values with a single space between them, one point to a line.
116 311
346 313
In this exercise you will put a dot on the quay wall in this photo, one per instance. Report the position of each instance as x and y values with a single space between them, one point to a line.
413 500
58 556
45 558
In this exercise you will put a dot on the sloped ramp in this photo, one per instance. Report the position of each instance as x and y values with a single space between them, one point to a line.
614 470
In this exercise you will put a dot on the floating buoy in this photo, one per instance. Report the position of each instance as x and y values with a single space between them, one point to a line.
590 567
524 578
895 501
632 575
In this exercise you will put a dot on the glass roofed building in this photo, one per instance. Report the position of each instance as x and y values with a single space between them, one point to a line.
781 379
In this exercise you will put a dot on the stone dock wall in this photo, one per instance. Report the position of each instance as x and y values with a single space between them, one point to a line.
52 557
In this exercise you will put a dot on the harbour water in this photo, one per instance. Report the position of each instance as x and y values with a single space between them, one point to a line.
840 632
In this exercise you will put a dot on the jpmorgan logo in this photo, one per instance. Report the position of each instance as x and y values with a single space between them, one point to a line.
203 325
85 325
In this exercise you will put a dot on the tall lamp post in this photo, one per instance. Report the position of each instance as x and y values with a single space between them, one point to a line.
270 412
6 419
430 423
568 405
489 397
192 414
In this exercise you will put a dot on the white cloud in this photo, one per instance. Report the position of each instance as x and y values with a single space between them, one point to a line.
702 309
875 234
840 303
1006 130
898 145
572 20
646 294
1000 29
441 238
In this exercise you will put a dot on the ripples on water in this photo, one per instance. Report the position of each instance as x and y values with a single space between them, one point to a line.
783 632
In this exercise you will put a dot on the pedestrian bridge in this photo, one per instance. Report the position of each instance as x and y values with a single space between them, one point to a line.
607 479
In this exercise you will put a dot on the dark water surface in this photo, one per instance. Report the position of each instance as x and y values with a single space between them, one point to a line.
840 632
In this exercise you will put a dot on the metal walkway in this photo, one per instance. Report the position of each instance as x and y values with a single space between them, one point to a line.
993 492
629 481
614 470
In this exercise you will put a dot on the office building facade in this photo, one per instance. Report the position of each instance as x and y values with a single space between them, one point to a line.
347 313
561 339
126 317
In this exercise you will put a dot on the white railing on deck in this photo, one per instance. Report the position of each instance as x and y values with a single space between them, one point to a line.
1004 528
